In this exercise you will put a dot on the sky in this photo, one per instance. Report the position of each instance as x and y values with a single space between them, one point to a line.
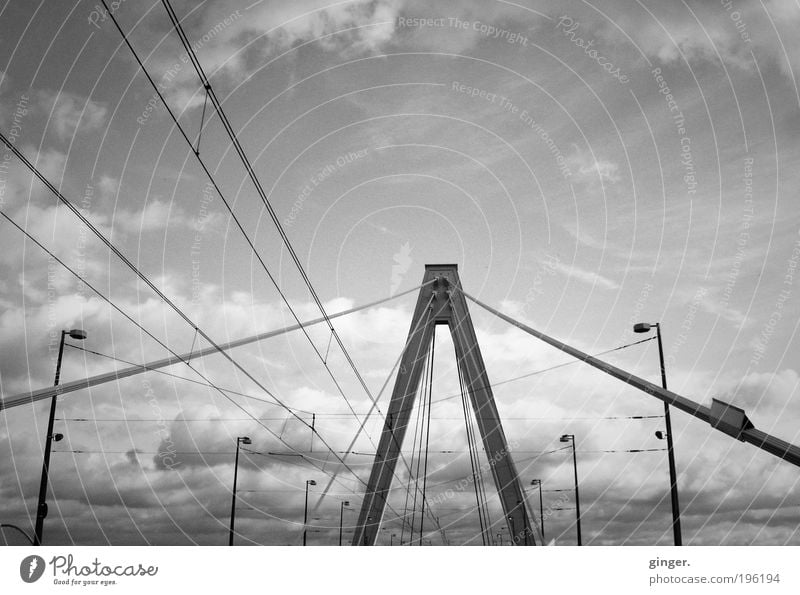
586 165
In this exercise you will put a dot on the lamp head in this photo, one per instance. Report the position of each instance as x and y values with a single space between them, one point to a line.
536 482
58 437
642 327
346 503
660 435
566 438
311 482
245 440
77 334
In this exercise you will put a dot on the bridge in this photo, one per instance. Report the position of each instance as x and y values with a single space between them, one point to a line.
442 301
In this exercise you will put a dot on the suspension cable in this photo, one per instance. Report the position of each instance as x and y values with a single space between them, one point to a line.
428 432
423 389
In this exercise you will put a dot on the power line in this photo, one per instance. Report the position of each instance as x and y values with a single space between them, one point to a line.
256 183
184 378
223 118
67 387
233 419
144 278
342 414
251 173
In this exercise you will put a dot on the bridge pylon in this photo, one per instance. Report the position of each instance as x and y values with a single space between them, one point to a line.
441 302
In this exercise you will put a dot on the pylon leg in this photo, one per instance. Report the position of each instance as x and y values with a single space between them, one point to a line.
441 302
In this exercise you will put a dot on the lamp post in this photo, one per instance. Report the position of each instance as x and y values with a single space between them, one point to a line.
309 482
391 539
341 519
41 508
538 482
644 327
571 439
239 440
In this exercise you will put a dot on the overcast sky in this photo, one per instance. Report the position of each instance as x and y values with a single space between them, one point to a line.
586 165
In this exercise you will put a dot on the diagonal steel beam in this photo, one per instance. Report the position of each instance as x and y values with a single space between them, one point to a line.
68 387
717 415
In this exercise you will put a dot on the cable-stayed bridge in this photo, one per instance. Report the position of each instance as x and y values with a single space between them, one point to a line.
442 301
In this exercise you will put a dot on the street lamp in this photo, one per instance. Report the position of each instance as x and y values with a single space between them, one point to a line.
309 482
538 482
341 519
644 327
239 440
41 508
571 439
391 539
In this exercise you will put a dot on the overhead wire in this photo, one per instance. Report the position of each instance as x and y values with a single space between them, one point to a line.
419 430
343 414
472 456
412 478
158 292
427 432
389 423
256 182
210 94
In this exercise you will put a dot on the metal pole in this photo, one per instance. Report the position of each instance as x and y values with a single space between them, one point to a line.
525 521
41 508
341 522
673 477
541 510
233 498
305 516
577 495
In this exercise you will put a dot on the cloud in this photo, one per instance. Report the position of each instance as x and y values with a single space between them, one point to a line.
108 185
673 33
165 487
365 26
68 113
590 168
586 276
156 215
347 28
770 396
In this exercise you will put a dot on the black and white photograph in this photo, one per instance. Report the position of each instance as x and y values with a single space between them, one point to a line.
392 273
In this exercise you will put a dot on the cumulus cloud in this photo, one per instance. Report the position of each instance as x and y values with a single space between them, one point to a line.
68 113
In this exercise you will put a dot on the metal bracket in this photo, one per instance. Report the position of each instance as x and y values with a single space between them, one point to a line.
729 419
